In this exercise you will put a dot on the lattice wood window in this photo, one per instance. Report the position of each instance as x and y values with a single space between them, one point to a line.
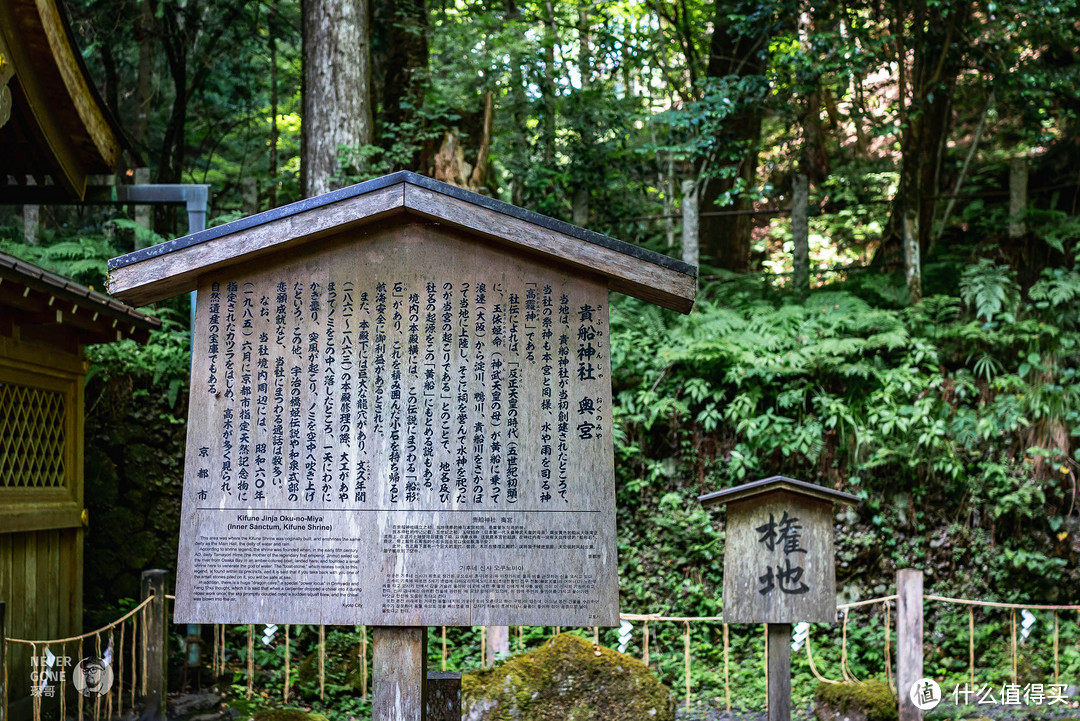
33 437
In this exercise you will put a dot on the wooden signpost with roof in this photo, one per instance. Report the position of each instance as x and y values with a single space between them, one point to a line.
779 566
400 416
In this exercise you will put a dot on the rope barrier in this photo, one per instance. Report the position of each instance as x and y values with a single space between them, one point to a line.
813 666
363 662
888 645
1057 668
218 662
996 604
88 634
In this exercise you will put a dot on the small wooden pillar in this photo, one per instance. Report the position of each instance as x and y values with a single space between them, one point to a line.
399 665
779 566
444 696
153 586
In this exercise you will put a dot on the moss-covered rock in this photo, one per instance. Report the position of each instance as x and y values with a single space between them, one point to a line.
568 679
872 700
287 714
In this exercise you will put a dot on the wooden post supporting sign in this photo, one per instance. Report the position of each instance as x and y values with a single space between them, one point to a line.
779 566
909 638
399 663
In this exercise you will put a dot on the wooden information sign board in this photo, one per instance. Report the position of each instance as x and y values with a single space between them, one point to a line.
395 421
779 566
778 557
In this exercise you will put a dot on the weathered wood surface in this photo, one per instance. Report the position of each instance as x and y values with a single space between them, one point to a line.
443 696
453 466
153 584
399 667
779 673
909 638
179 271
626 274
778 560
176 266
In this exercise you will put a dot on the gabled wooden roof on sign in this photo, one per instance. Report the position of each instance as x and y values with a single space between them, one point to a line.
35 298
53 125
174 267
773 484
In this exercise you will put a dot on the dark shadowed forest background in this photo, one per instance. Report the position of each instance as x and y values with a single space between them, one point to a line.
920 349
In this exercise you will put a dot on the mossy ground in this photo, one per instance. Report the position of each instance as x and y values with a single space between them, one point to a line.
287 714
872 700
567 679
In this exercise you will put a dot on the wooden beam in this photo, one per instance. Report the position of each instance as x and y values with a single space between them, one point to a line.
626 274
176 272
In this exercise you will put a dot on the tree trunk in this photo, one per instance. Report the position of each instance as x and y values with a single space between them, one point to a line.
1018 185
272 171
934 40
140 129
690 223
912 261
336 90
547 91
800 233
405 64
725 239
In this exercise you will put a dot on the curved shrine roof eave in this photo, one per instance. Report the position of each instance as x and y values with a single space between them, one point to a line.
50 298
59 130
173 267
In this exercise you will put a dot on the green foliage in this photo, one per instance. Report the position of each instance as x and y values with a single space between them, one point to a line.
990 289
165 361
83 258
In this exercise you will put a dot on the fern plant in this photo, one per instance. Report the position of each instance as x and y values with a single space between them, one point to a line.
990 289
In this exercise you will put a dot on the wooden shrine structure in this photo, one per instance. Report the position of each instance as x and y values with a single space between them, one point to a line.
45 322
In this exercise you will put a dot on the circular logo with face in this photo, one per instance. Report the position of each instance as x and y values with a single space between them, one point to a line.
92 677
